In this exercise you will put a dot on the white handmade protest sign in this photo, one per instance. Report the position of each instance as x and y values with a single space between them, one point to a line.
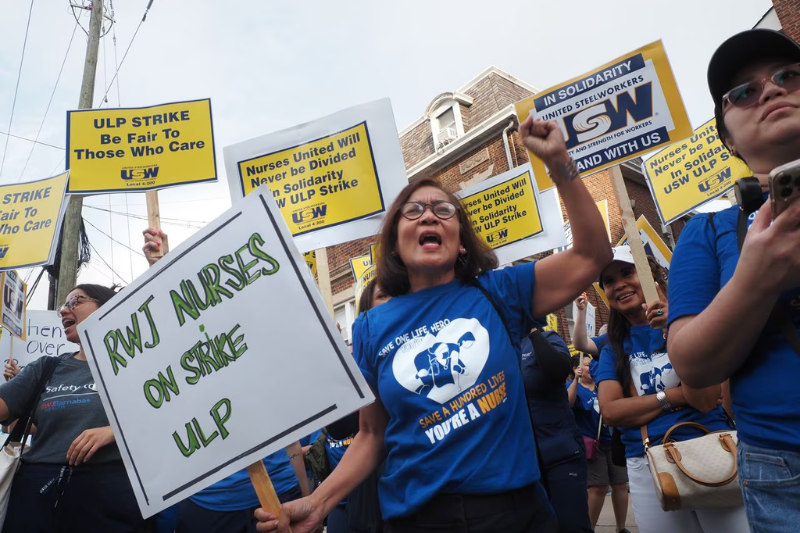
204 363
45 337
512 216
333 178
12 306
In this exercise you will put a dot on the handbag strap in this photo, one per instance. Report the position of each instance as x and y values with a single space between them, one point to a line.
725 440
599 427
21 431
643 428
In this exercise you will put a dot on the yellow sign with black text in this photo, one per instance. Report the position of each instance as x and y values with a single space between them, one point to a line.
322 183
506 213
684 176
30 221
140 149
311 260
616 112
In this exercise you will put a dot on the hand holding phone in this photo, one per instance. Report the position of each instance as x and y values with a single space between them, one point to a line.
784 186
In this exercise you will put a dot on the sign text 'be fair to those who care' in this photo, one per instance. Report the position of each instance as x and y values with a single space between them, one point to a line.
197 360
30 221
140 149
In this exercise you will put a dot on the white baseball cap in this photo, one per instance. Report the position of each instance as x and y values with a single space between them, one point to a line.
623 255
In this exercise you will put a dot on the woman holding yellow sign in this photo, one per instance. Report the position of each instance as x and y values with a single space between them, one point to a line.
442 357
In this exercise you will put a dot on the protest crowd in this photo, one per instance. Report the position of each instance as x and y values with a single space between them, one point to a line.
684 407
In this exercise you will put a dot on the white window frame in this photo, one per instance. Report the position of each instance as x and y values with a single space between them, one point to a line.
436 127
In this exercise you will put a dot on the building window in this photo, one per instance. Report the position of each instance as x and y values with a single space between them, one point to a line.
447 126
344 316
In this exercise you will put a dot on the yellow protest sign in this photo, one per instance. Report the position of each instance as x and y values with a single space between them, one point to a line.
572 350
616 112
13 304
653 243
602 206
140 149
30 221
552 322
374 250
358 265
311 261
505 213
684 176
601 293
325 182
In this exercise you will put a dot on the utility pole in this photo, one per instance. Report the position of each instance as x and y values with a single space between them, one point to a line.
70 235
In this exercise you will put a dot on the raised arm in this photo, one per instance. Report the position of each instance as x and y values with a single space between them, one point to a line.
361 458
709 347
580 339
566 274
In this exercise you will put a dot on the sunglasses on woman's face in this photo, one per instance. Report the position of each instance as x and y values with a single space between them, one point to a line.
747 94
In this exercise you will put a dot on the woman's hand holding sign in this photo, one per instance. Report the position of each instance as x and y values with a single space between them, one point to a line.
153 240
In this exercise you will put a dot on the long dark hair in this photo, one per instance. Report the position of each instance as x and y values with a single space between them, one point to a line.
392 273
619 328
101 293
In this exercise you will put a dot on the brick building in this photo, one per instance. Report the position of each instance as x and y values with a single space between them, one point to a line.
466 136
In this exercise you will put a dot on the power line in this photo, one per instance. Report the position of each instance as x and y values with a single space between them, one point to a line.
143 217
135 33
113 239
105 263
30 140
63 157
64 62
16 90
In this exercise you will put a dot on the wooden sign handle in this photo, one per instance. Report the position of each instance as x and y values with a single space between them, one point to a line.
264 489
154 220
324 278
634 238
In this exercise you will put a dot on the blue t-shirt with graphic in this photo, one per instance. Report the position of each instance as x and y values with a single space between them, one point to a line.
587 413
600 341
335 449
651 371
236 492
443 364
764 394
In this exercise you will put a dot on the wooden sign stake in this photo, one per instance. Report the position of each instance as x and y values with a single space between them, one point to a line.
324 278
154 220
634 238
264 489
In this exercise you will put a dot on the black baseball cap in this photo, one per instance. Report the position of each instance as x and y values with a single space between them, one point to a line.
742 50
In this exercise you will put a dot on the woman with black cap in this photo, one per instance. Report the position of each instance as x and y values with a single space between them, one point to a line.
734 315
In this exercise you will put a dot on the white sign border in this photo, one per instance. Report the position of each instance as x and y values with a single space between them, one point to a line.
315 299
386 155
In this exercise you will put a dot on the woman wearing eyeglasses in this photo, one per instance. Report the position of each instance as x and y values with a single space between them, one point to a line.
442 357
721 299
72 478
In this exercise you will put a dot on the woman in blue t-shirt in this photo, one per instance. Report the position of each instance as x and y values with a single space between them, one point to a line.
722 299
635 360
602 472
442 357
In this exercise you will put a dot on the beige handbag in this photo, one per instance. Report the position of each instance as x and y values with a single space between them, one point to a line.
700 473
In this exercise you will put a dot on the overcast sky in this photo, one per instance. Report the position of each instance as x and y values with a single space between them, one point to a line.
267 65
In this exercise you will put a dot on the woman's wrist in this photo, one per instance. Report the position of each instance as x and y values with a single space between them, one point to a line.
563 170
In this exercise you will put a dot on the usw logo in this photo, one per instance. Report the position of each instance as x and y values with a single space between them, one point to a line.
309 213
498 235
139 173
605 117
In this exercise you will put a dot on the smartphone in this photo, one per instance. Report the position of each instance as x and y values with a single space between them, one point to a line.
784 186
